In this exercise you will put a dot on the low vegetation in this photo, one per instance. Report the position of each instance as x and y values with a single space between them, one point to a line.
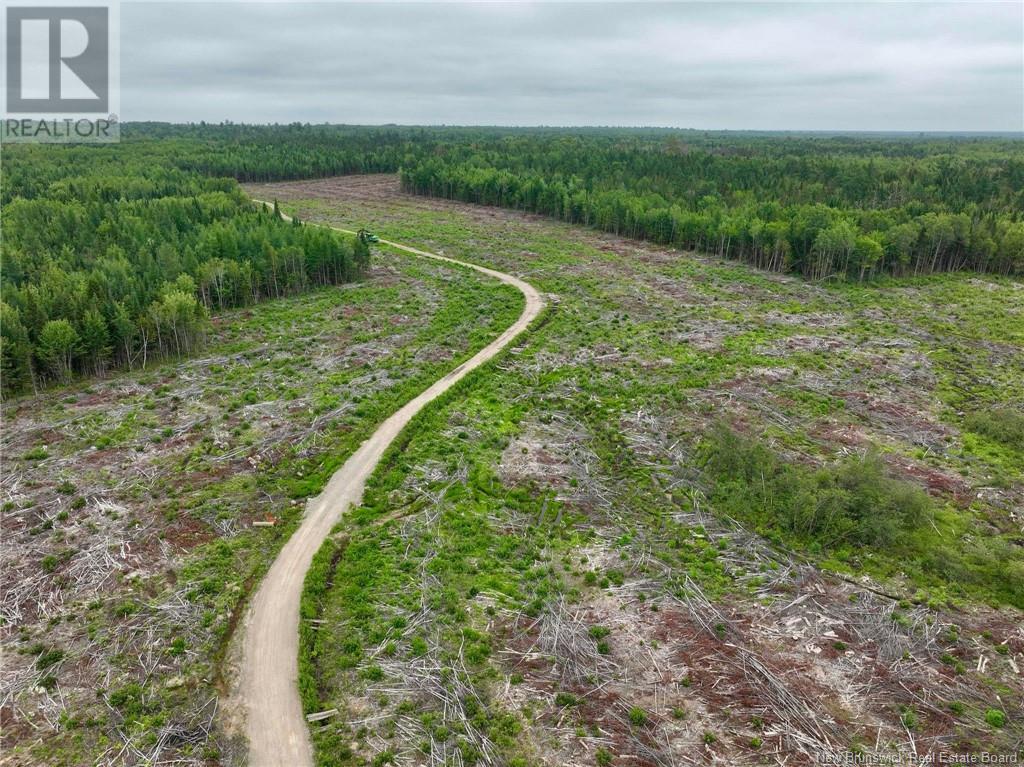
852 509
852 503
700 509
140 510
1004 426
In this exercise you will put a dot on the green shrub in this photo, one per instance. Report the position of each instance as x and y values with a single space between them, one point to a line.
373 673
130 701
852 508
1001 425
48 682
49 658
909 718
126 608
853 502
995 717
637 716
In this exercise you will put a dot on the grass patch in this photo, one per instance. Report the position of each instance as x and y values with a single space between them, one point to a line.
1002 425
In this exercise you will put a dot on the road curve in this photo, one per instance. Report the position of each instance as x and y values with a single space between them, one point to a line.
268 680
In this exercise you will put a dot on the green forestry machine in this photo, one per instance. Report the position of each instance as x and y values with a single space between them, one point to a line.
366 236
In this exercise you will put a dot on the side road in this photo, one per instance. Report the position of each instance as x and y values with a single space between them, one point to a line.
277 731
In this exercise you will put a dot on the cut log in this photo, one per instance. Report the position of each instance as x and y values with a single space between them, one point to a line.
321 715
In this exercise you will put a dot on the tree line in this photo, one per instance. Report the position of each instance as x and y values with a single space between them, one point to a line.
111 260
816 206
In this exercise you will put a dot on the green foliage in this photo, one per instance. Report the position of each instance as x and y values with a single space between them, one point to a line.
317 583
49 658
995 718
909 718
817 206
1001 425
56 348
114 257
132 702
853 510
564 699
637 716
854 502
125 608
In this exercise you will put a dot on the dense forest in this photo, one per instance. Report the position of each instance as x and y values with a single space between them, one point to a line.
819 206
113 256
115 253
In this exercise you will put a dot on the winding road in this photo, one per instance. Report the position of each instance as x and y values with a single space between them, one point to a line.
276 728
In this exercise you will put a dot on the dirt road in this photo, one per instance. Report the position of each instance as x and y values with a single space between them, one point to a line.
277 730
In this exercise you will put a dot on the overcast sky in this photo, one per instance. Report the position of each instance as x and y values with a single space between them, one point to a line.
816 65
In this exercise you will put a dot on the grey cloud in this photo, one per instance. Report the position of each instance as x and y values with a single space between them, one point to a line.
884 66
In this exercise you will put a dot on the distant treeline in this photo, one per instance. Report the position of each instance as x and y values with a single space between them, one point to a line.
112 256
847 206
819 205
115 253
